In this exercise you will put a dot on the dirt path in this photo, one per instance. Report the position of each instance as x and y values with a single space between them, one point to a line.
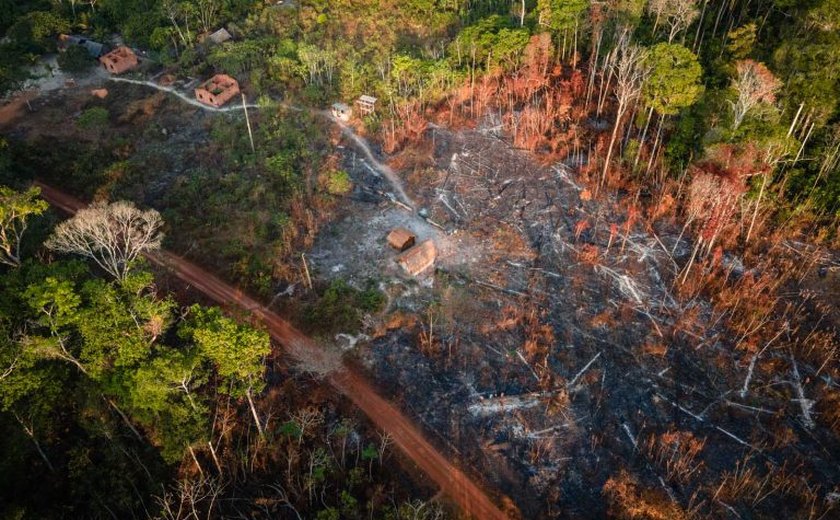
16 107
385 170
455 483
360 142
180 95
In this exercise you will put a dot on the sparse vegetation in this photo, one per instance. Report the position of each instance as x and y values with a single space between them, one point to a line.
95 118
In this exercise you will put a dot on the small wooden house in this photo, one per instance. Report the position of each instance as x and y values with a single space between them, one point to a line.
366 105
217 90
119 60
401 239
418 258
341 111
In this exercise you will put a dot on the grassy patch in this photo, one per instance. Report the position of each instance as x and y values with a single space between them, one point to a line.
341 307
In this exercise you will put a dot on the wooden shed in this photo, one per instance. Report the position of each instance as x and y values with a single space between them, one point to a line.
119 60
401 239
418 258
366 104
217 90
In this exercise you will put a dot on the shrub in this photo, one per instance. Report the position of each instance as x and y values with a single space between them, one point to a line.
75 59
96 117
339 183
340 307
629 500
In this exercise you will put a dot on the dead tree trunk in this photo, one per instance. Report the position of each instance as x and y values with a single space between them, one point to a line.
254 413
30 432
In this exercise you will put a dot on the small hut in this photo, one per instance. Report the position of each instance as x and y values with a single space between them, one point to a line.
418 258
220 36
119 60
366 105
341 111
401 239
217 90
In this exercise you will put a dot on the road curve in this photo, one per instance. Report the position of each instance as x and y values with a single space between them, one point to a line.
452 481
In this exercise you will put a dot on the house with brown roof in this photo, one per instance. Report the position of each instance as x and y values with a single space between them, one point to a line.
401 239
418 258
217 90
119 60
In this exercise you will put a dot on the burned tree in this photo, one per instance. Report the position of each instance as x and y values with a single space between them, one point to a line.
112 235
754 84
630 72
678 15
715 191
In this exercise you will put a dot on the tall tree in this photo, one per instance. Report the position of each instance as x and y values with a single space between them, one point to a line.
678 15
237 351
674 81
112 235
754 84
561 16
630 71
672 84
16 208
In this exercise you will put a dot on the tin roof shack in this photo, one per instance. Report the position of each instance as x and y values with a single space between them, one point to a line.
221 36
401 239
217 90
418 258
366 105
95 49
119 60
341 111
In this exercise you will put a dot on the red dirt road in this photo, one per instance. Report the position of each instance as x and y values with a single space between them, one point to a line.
455 483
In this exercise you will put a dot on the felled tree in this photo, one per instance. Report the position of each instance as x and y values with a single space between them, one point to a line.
112 235
15 210
754 84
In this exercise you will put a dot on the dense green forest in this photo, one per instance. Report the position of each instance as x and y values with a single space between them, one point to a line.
119 401
124 395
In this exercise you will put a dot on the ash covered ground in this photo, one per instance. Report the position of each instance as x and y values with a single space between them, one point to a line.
548 352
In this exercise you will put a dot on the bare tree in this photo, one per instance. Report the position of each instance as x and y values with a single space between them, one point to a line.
190 499
630 73
207 12
175 11
112 235
676 14
15 210
754 84
307 419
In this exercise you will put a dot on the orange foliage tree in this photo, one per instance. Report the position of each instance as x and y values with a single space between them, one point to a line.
717 186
